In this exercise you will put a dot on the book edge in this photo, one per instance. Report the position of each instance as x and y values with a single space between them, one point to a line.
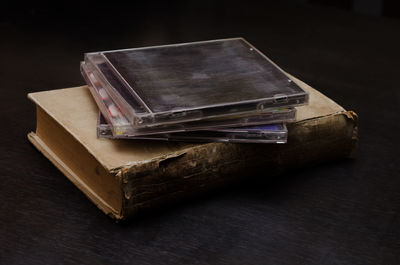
72 176
32 97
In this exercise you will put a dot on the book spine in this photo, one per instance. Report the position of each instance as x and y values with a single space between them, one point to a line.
206 167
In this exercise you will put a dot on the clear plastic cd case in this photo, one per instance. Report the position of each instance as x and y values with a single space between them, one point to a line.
175 84
272 133
120 125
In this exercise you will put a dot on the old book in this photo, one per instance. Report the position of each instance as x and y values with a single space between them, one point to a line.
125 177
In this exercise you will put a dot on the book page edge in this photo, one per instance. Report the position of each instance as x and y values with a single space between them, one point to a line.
72 176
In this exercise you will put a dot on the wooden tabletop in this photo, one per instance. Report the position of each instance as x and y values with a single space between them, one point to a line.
342 212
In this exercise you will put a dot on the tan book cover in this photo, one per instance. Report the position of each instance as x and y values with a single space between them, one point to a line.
125 177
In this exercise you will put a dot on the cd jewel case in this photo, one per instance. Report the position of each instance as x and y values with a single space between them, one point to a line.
169 85
120 126
272 133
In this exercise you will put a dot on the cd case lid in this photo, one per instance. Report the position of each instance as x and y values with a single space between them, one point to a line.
120 125
225 75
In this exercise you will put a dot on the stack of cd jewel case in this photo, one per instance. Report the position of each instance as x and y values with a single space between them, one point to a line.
220 90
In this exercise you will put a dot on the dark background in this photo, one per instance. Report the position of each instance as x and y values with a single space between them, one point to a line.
342 212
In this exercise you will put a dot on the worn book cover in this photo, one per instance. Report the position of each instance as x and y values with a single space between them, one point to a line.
126 177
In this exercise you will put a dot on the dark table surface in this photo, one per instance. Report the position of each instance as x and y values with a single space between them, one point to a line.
342 212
